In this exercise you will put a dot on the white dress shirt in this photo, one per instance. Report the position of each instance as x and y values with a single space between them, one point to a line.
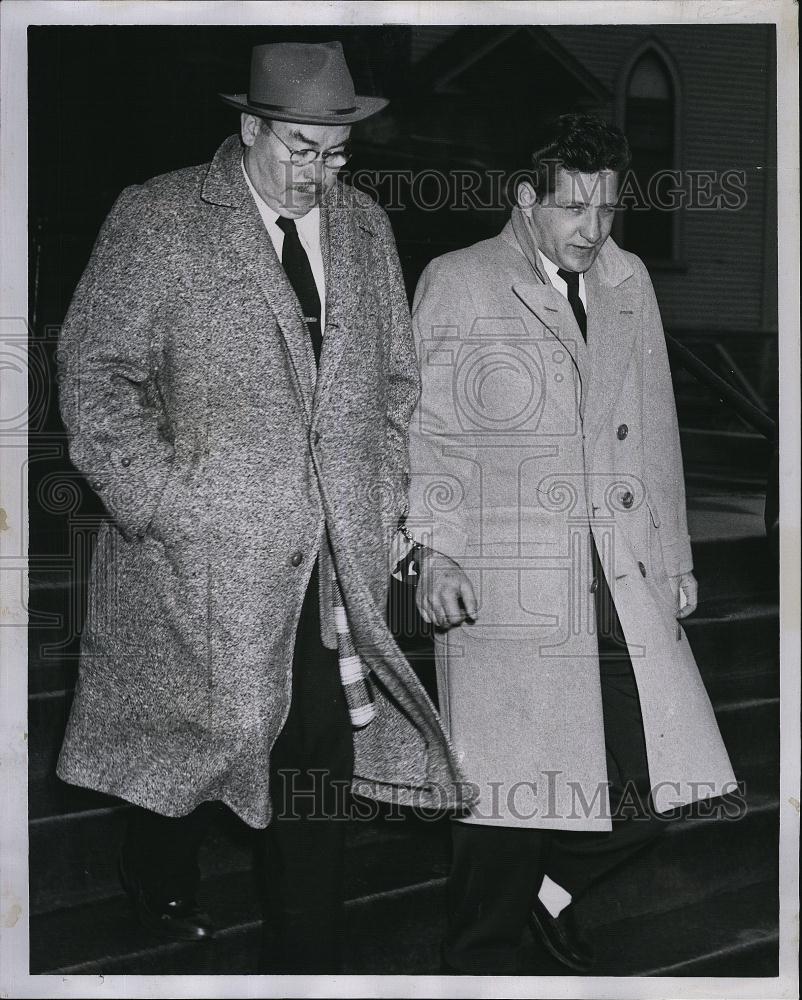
308 227
551 272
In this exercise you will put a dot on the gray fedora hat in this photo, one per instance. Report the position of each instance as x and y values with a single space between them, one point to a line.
305 83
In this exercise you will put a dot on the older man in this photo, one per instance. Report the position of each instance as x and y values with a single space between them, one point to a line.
238 377
547 480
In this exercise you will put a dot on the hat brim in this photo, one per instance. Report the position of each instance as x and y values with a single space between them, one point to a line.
364 108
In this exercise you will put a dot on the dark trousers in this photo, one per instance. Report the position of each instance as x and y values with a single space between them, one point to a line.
311 767
496 871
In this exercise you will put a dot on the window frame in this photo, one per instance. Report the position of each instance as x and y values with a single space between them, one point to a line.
676 261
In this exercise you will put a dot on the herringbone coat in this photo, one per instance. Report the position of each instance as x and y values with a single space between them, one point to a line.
526 440
193 407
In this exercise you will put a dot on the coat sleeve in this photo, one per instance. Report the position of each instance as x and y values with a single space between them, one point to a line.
403 379
109 397
445 482
663 456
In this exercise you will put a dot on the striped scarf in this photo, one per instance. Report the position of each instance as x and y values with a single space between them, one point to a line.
353 672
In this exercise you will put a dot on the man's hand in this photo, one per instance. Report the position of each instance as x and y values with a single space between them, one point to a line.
445 596
685 584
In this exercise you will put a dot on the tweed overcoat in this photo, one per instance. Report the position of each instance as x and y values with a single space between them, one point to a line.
525 441
193 407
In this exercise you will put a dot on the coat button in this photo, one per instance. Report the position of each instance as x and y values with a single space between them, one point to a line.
125 461
297 558
622 432
594 585
627 500
316 437
642 569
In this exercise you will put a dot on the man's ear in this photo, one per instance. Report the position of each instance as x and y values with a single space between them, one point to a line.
248 128
526 197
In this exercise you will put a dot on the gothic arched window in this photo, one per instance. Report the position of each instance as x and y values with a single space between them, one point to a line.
650 115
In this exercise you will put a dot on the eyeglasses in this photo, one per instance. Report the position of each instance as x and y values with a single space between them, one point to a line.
301 157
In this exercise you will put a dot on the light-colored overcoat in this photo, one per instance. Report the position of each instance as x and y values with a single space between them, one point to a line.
526 440
193 406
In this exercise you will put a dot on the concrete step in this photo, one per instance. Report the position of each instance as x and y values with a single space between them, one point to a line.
738 449
722 477
731 554
56 608
744 571
398 930
751 731
47 718
733 840
382 857
74 855
726 933
734 639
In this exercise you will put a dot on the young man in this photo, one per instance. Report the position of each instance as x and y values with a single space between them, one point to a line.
547 482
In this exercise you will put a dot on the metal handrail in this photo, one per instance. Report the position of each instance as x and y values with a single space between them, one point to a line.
753 415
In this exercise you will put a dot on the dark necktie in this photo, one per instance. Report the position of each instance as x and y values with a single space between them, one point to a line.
299 272
571 278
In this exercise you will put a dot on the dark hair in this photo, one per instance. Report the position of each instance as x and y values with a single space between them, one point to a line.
585 143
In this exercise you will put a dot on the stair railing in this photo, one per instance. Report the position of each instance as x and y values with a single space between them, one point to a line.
755 416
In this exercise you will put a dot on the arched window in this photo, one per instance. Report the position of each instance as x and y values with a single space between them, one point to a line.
650 115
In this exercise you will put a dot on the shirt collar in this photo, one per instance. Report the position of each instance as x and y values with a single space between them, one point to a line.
550 267
559 283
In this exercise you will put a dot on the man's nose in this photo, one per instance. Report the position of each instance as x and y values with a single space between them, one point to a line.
311 172
591 226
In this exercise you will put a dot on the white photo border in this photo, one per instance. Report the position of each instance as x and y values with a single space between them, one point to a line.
15 16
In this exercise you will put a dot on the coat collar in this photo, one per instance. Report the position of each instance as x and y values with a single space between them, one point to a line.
250 250
223 183
612 314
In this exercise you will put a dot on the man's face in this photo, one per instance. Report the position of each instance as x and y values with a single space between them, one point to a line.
290 189
572 223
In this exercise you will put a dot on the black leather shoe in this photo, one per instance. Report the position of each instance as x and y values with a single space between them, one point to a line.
561 937
175 920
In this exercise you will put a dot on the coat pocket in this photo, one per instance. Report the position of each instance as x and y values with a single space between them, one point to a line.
657 563
174 524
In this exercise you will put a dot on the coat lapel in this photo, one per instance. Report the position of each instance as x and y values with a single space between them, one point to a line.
556 315
341 261
551 308
613 322
613 313
247 250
